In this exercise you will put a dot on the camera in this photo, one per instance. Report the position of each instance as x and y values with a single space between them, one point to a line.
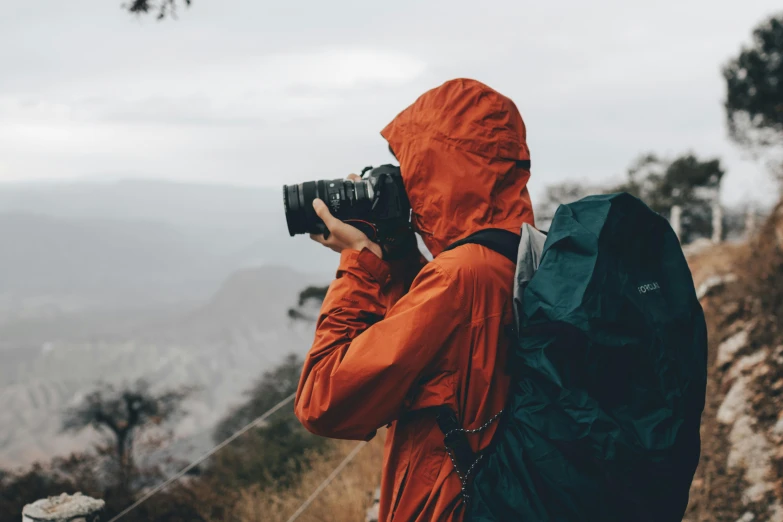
377 205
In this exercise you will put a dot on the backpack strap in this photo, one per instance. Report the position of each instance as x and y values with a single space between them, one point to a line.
458 448
455 440
501 241
455 437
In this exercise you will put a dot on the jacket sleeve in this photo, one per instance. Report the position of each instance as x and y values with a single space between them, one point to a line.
365 358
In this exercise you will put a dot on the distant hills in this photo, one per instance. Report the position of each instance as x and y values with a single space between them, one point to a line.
220 347
180 284
131 233
102 258
146 200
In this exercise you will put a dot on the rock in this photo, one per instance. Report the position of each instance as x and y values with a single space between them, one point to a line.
749 362
777 429
776 512
778 226
728 348
711 283
373 512
752 453
735 402
65 508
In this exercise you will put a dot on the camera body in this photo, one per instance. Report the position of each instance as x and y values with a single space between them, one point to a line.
377 205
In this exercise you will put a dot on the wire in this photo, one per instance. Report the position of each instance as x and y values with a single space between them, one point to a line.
205 456
326 481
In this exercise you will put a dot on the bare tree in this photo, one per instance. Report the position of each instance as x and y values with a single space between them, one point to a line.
686 181
312 295
124 414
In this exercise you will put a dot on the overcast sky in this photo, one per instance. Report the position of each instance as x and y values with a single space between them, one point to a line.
266 93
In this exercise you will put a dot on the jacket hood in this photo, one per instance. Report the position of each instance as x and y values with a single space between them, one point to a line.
464 161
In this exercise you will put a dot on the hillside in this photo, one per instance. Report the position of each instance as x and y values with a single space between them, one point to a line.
101 258
740 476
181 284
221 347
185 237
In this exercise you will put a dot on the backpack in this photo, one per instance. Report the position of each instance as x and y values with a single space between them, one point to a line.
609 366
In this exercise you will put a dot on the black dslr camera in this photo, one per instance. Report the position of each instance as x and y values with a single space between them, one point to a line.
377 205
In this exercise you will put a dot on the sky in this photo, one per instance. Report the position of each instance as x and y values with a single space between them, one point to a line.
266 93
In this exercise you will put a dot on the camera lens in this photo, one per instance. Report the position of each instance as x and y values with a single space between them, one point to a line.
293 207
299 213
345 199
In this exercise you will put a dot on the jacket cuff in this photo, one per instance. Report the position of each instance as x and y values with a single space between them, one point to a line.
367 261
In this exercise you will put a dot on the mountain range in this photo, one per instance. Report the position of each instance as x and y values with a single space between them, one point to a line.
110 282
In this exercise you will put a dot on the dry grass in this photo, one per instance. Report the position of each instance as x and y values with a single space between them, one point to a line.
346 499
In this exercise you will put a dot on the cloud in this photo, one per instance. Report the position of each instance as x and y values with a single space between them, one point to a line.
258 92
238 91
342 69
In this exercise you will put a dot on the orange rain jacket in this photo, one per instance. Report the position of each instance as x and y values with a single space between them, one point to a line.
383 354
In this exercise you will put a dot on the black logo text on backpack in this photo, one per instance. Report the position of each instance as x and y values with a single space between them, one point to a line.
649 287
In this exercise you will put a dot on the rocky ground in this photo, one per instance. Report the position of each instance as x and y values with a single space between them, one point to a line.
740 477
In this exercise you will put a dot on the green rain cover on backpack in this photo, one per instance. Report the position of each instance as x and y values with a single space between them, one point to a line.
609 375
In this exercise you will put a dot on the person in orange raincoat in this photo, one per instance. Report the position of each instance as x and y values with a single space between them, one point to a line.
386 349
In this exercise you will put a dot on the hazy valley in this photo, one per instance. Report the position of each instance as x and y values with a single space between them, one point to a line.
178 284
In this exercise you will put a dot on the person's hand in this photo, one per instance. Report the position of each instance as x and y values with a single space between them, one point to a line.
342 235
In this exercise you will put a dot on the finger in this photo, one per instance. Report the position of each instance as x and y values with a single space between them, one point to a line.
322 211
354 177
